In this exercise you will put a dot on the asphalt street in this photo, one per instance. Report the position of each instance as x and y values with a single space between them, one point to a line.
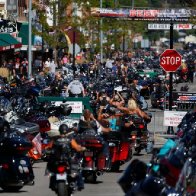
106 184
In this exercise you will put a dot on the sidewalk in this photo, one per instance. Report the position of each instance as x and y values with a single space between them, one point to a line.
156 128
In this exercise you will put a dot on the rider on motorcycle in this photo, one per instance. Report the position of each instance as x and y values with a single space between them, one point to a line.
64 132
57 85
135 92
88 121
75 88
134 109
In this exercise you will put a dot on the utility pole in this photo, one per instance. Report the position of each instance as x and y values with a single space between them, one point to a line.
101 35
42 58
132 4
170 129
74 36
30 40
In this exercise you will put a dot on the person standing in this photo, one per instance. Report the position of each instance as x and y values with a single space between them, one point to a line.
10 67
17 67
24 67
65 60
38 64
191 70
47 65
52 66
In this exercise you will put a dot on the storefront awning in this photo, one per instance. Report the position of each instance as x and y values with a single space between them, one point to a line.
23 33
4 46
8 42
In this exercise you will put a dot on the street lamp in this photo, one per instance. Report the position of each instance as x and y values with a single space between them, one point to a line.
74 36
101 35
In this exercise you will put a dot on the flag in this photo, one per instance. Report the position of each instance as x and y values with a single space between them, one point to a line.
37 142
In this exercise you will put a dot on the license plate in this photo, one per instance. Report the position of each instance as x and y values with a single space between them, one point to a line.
88 154
61 176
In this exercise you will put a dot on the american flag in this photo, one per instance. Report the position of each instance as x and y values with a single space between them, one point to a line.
37 142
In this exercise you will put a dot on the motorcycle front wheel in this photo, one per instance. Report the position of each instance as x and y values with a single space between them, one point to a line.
62 189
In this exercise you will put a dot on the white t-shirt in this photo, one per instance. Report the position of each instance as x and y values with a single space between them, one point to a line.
52 67
47 64
75 87
109 64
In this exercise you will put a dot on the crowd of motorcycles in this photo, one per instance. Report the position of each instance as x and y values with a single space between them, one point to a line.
24 139
171 171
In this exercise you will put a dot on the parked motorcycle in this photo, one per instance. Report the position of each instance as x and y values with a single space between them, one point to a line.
15 167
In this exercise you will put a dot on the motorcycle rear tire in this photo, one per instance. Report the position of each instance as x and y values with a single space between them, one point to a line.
62 189
11 188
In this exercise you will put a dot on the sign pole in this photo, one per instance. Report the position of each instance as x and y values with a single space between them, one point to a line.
101 35
170 129
74 39
30 41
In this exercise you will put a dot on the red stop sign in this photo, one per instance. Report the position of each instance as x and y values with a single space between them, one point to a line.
170 60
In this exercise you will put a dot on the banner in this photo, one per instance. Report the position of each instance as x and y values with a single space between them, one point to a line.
144 14
77 106
185 101
173 118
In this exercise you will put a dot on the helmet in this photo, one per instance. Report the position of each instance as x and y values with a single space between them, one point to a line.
63 129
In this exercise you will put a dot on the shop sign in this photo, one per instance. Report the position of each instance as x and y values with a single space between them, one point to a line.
185 101
167 26
7 26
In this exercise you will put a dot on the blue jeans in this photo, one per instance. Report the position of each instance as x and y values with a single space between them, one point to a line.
105 149
143 102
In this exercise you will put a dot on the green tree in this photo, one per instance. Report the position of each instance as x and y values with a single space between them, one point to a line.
175 35
136 3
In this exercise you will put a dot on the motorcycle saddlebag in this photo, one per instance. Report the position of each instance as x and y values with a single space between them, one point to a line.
14 144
